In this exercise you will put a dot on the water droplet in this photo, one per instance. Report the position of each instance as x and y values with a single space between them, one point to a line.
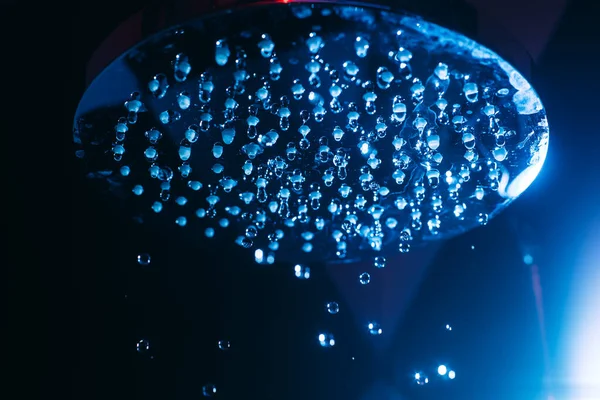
301 11
471 92
361 46
326 340
209 390
364 278
143 346
182 67
448 327
350 69
421 379
157 206
151 154
224 344
374 328
158 86
442 370
482 219
451 374
222 52
302 271
169 116
183 100
379 262
143 259
266 46
275 68
138 190
314 43
217 150
297 89
384 78
245 242
332 307
251 231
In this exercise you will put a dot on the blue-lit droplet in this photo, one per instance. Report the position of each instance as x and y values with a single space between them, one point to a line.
125 170
332 307
259 256
482 218
379 262
209 232
181 221
326 340
374 328
143 346
451 374
143 259
421 379
442 370
138 190
364 278
157 206
302 271
307 247
224 344
251 232
195 185
209 390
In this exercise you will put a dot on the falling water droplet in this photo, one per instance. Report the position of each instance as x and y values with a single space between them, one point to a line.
332 307
222 52
482 218
364 278
379 262
138 190
143 259
209 390
224 344
374 328
326 340
421 379
302 271
361 46
143 346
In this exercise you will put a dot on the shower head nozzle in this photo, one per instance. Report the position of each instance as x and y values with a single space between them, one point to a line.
314 130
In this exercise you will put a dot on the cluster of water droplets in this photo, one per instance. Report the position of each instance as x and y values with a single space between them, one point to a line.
301 149
325 339
327 154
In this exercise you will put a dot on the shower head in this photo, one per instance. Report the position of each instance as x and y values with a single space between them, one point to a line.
327 131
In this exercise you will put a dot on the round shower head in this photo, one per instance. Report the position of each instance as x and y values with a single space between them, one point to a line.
328 131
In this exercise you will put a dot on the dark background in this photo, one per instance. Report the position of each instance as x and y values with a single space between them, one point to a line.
194 294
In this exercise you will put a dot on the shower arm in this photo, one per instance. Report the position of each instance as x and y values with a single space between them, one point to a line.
510 34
